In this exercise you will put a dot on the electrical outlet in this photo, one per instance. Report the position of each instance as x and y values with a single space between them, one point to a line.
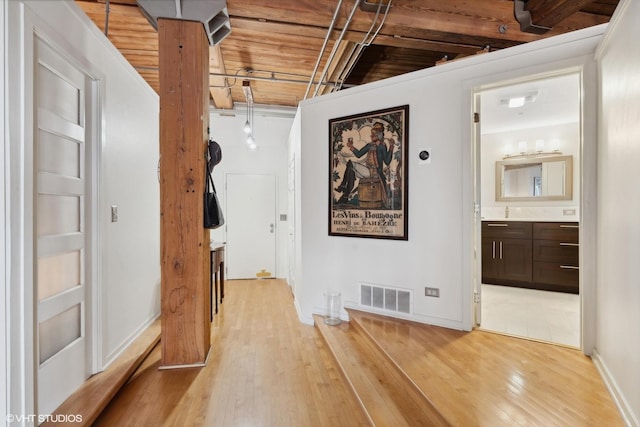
568 212
114 213
432 292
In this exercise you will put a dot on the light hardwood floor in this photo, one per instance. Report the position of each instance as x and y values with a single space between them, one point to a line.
265 369
268 369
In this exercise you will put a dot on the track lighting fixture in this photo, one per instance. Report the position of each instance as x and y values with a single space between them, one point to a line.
248 124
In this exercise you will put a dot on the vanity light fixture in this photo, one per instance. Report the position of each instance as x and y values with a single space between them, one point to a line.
523 151
532 154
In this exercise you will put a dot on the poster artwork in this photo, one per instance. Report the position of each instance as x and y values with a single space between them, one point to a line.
368 174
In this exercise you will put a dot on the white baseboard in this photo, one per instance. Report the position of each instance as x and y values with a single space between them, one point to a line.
304 319
630 419
127 342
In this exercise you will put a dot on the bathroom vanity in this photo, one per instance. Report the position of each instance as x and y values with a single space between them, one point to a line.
531 254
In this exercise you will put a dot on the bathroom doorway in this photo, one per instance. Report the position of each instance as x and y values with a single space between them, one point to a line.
533 121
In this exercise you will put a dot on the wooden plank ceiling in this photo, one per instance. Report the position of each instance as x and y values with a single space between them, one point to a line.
275 45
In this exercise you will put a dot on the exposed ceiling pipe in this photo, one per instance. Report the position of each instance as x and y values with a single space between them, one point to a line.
106 18
246 77
335 46
354 56
324 46
267 79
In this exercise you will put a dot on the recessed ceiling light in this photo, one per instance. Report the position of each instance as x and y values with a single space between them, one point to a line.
515 101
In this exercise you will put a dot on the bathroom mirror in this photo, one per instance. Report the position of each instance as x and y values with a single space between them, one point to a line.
535 178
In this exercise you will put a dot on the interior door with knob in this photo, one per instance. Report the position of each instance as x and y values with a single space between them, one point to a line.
251 226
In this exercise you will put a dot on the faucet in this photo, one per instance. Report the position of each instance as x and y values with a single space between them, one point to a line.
506 211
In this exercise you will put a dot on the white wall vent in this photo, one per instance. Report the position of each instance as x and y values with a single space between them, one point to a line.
385 298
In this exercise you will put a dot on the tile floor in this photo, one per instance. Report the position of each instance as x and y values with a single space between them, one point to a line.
541 315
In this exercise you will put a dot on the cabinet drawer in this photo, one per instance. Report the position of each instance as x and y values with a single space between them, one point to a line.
555 251
507 229
553 273
561 231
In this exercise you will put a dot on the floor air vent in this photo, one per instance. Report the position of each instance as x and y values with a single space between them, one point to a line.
385 298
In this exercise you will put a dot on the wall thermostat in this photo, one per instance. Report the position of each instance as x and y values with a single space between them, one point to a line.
425 156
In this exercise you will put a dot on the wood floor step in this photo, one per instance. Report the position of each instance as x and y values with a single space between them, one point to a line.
483 379
95 394
388 396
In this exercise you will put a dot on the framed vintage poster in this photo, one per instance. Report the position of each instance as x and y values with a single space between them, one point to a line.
368 185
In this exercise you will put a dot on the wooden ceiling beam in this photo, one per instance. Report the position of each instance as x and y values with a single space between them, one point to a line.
422 44
129 2
219 86
457 21
480 18
549 13
340 61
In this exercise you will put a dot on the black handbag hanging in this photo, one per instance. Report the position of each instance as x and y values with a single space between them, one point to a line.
213 217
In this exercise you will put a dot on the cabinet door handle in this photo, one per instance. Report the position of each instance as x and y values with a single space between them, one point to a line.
494 249
497 225
569 226
569 244
500 249
569 267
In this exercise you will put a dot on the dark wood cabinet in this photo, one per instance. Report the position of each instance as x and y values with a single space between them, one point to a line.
539 255
506 252
556 255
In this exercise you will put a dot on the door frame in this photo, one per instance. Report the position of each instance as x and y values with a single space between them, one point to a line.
585 67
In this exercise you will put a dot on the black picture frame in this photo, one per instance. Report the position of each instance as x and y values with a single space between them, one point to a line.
368 174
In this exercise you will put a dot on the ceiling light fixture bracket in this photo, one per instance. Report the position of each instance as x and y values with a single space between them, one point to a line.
524 18
373 7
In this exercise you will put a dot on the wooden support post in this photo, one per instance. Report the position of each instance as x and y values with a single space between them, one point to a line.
184 118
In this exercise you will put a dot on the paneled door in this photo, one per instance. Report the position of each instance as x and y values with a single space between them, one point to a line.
251 226
60 227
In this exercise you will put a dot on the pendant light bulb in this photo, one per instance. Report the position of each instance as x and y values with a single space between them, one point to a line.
247 127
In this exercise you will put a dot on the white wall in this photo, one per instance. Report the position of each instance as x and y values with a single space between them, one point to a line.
271 130
128 270
439 250
618 274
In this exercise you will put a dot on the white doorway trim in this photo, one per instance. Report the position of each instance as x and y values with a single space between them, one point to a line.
585 66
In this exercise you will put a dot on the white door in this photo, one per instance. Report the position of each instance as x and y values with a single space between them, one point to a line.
60 227
250 223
